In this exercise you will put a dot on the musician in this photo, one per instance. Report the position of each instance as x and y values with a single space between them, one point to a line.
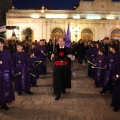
62 68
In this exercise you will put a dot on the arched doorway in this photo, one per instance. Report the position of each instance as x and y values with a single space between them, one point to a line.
28 34
57 32
115 34
87 34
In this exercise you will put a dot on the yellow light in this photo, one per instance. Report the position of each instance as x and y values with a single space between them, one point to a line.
35 16
56 16
93 17
110 17
76 17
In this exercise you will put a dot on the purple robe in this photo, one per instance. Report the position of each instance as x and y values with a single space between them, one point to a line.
112 64
6 70
116 94
20 63
32 69
107 73
42 57
91 57
100 62
95 57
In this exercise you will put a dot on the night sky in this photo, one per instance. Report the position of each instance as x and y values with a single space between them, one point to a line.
55 4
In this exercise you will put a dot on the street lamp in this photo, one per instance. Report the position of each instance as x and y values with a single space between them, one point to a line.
76 30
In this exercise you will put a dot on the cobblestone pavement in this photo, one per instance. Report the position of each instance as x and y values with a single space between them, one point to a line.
82 102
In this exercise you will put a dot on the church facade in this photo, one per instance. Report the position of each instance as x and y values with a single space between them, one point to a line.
92 20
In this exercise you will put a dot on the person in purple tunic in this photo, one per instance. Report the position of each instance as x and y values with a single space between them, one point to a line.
100 62
6 70
107 72
21 70
91 57
32 69
41 54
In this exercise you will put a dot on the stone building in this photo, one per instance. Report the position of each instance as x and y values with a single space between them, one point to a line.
92 20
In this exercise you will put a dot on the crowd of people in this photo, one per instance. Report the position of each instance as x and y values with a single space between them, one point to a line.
24 61
104 68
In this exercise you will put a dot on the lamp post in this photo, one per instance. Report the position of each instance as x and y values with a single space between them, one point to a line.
76 30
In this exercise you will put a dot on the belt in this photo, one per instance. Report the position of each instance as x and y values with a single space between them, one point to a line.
61 62
4 71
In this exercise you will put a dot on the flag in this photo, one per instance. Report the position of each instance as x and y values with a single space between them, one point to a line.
68 37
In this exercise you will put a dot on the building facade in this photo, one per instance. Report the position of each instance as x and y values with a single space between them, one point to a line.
92 20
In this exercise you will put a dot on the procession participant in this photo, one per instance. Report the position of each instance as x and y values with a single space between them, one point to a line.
41 54
50 46
32 69
81 52
62 69
32 47
107 72
21 66
96 51
100 65
116 94
6 70
115 61
91 57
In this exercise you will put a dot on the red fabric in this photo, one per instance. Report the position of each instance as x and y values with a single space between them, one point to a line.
61 54
61 62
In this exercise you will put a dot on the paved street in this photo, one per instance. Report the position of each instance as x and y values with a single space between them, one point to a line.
82 102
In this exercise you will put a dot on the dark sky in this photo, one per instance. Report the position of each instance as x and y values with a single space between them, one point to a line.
56 4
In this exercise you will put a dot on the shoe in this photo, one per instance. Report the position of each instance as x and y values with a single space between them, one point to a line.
115 109
29 92
34 85
97 86
5 107
57 98
20 93
64 92
103 91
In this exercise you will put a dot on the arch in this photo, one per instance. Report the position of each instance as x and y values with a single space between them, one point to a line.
87 34
57 32
115 34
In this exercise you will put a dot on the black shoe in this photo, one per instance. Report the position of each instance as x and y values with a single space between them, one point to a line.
5 107
64 92
103 91
57 98
97 86
35 85
29 92
115 109
20 93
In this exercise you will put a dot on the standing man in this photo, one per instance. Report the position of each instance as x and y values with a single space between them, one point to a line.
41 54
6 70
22 82
62 68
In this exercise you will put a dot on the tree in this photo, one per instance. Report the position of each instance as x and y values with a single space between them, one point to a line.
28 32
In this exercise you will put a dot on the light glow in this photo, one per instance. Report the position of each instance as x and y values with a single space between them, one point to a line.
93 17
35 16
56 16
110 17
76 17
